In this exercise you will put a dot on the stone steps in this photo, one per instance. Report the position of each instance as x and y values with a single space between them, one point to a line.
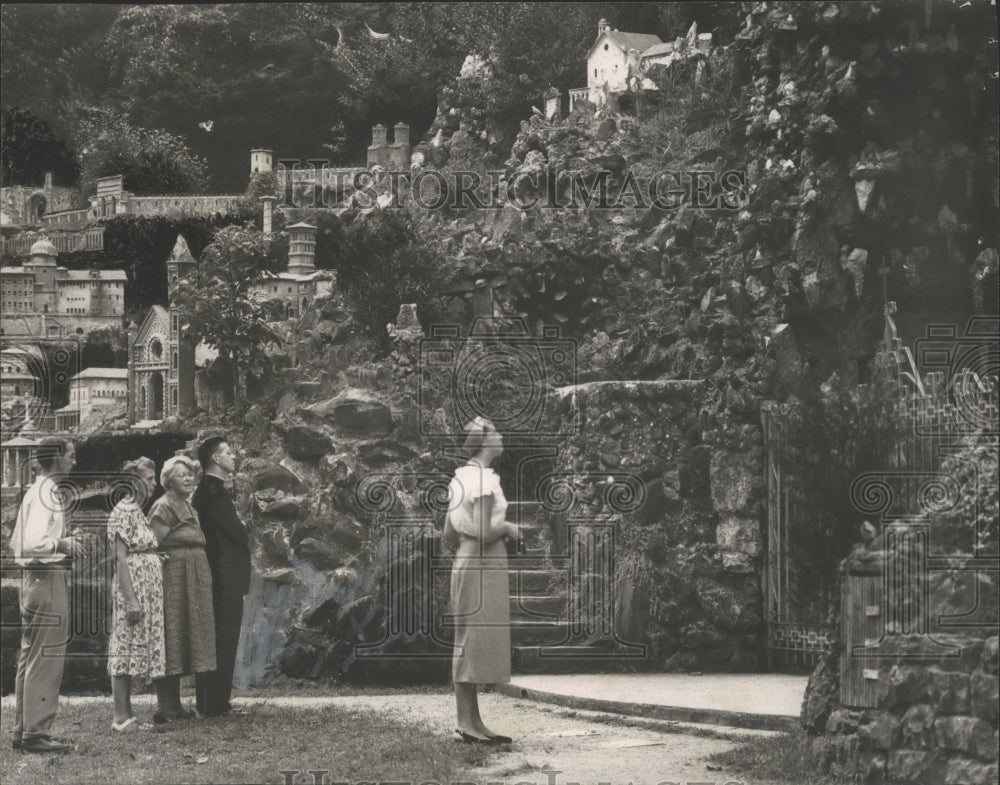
566 658
539 632
541 637
535 582
538 608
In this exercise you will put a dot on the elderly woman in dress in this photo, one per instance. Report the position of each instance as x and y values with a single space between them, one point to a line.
135 649
189 623
479 591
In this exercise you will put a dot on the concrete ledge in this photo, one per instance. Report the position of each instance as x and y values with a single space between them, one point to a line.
776 722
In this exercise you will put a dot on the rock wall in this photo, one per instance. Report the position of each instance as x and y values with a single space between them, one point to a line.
933 714
936 721
689 557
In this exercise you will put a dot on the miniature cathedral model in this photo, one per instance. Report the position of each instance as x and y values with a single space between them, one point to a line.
161 361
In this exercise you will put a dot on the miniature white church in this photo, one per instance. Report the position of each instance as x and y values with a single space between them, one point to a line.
618 62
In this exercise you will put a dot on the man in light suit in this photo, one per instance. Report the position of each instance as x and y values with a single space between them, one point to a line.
228 549
43 551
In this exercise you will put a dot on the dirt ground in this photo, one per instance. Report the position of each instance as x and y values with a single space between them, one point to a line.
552 745
557 746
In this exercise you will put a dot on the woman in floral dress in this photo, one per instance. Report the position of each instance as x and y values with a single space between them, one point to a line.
136 647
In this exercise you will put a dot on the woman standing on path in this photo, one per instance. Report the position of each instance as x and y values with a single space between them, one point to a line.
136 644
189 622
479 579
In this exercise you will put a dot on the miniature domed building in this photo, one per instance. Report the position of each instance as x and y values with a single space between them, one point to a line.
42 253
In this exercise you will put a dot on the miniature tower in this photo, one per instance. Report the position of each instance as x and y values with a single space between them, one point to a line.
551 97
378 152
179 262
133 379
399 150
179 392
261 160
269 202
302 249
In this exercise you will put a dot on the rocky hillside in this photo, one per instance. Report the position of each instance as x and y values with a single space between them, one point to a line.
863 142
864 137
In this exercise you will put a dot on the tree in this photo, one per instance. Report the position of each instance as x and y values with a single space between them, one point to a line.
52 57
29 149
383 261
151 161
529 47
263 74
218 306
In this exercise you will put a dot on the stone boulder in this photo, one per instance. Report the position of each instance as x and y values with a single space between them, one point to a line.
727 608
287 508
383 452
307 443
882 733
970 735
354 410
319 554
735 480
918 727
917 766
276 477
739 534
346 533
338 469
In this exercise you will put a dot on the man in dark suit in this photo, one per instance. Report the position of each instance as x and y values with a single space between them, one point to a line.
228 549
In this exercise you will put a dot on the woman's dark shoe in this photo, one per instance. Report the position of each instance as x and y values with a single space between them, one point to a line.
498 739
468 738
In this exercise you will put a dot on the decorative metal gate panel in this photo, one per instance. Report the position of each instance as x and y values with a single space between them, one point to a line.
929 416
792 640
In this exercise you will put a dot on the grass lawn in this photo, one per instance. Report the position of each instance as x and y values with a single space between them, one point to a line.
789 758
315 688
254 748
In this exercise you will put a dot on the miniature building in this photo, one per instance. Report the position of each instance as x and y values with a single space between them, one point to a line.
302 248
618 62
91 389
26 205
395 155
161 362
261 161
42 299
18 377
17 468
551 98
302 282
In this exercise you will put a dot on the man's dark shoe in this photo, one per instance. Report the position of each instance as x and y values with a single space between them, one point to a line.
166 717
16 742
228 711
44 745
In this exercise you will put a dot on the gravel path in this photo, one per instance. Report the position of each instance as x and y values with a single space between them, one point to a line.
582 747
